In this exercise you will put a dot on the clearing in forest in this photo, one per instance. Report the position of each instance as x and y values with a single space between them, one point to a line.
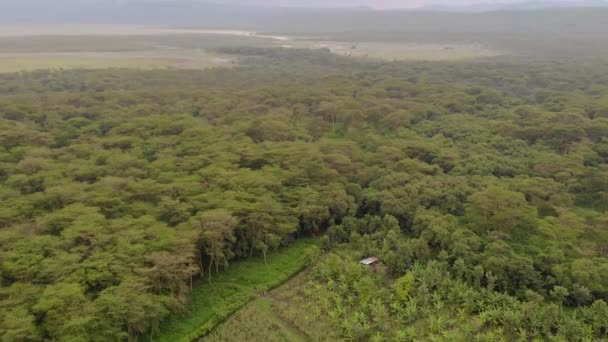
211 303
258 321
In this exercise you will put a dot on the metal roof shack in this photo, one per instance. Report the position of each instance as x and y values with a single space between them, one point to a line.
369 261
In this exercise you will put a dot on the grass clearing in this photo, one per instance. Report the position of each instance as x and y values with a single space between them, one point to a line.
287 313
16 62
265 306
212 303
400 51
258 321
54 47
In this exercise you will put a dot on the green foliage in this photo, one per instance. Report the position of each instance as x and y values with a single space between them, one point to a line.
403 286
347 305
486 180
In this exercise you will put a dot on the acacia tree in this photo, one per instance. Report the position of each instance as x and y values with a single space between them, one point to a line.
128 305
171 269
216 236
268 225
498 209
312 210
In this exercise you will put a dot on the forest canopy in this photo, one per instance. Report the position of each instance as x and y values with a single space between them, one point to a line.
119 187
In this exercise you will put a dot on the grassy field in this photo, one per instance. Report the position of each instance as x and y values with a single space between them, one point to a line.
55 47
287 313
414 51
26 48
399 51
212 303
193 59
142 60
257 322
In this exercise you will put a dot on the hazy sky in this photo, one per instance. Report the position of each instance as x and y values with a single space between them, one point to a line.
394 3
307 3
381 3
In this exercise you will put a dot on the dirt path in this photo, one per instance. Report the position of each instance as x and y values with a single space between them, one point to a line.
266 304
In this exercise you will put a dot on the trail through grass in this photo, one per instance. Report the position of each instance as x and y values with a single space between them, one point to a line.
230 290
257 322
264 306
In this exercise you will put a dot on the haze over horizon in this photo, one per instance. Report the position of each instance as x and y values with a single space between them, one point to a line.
388 4
376 4
247 14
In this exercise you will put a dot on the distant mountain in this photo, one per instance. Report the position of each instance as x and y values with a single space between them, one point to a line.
517 6
179 12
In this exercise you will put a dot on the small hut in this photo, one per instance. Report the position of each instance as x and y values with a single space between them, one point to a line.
370 262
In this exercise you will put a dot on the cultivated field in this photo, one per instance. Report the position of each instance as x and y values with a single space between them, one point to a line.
231 289
257 322
264 319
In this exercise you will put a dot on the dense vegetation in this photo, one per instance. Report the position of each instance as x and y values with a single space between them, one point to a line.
483 184
434 300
